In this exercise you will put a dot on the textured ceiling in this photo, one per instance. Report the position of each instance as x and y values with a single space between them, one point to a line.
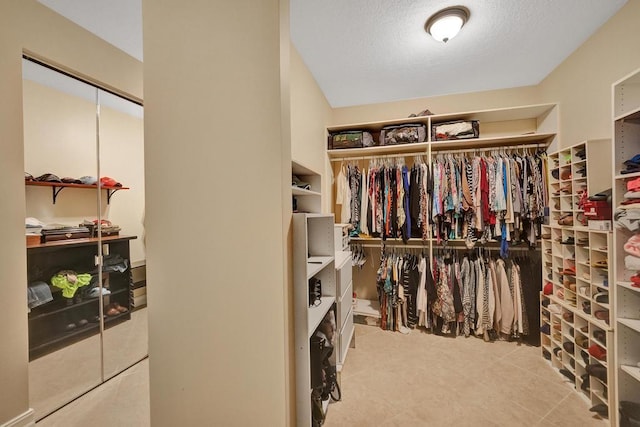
369 51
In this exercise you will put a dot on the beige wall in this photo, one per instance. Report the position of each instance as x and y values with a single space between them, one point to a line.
27 25
582 83
525 95
310 116
215 237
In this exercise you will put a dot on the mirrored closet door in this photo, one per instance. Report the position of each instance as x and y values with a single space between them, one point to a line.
84 192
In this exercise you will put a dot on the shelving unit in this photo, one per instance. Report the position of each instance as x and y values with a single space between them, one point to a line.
533 126
306 200
575 265
626 144
344 283
313 257
47 322
57 187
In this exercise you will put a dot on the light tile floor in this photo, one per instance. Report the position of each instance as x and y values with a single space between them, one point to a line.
391 379
421 379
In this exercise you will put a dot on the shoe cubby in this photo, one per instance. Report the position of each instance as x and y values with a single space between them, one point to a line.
580 273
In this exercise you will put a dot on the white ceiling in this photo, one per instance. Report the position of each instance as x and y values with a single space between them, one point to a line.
369 51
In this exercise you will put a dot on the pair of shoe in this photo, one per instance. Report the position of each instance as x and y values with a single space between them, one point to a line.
115 309
71 326
566 219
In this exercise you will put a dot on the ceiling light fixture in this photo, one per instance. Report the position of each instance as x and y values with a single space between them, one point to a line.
445 25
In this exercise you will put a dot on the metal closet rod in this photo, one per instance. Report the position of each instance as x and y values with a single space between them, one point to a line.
380 156
451 247
435 151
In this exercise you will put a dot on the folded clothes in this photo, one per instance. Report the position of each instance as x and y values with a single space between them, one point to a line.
632 195
632 263
633 184
627 218
38 294
632 246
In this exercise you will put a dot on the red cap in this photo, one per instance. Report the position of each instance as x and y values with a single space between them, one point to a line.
106 181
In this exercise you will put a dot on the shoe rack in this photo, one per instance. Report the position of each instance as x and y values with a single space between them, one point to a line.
626 144
576 331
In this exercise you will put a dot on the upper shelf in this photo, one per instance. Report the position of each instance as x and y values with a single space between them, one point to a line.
542 139
57 187
494 115
533 125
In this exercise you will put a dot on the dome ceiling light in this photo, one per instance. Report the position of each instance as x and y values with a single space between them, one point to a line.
447 23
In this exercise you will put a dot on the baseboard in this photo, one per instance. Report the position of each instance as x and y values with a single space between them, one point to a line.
23 420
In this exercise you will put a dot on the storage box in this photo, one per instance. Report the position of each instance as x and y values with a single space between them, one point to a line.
350 139
462 129
600 225
403 134
597 210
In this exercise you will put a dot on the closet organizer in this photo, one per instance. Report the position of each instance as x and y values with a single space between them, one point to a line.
455 223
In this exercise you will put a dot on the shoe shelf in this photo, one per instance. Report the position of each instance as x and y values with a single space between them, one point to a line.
63 339
58 305
573 275
64 321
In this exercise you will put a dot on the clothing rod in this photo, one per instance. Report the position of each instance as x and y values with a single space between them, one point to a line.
455 248
380 156
491 248
435 150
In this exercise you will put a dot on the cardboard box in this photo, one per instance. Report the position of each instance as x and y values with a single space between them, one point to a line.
600 225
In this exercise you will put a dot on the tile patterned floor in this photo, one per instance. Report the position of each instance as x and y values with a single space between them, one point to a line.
420 379
391 379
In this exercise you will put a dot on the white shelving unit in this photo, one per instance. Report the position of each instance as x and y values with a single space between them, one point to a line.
626 144
313 257
515 127
306 200
578 248
344 283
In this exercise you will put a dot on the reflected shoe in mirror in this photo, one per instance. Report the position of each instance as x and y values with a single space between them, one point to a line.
120 308
112 311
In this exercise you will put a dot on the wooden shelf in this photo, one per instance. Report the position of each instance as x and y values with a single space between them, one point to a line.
79 242
59 186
